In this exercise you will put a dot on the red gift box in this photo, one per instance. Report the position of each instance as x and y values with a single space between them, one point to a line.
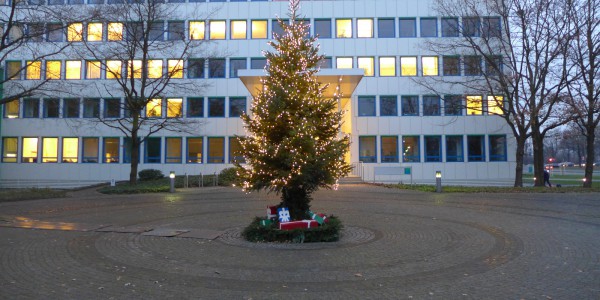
298 224
271 212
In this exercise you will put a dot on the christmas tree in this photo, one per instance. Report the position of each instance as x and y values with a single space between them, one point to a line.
294 144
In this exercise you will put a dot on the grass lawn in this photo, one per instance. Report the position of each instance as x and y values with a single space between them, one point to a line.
30 194
162 185
564 180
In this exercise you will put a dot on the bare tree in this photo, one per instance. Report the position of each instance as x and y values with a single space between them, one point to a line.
521 44
584 90
133 62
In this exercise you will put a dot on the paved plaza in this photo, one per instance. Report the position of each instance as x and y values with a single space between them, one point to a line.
396 245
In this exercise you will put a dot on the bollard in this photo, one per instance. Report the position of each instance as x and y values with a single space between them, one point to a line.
186 181
112 182
438 181
172 178
201 183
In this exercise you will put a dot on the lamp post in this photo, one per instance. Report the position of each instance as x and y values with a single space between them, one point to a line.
438 181
172 178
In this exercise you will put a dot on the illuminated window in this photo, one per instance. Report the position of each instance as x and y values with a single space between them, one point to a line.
235 151
451 65
110 153
238 30
113 69
73 69
495 105
53 69
323 28
343 62
367 146
13 70
430 65
216 150
71 108
497 147
364 28
11 109
433 148
368 64
237 106
194 150
259 29
410 149
49 150
343 28
173 150
175 68
389 149
428 27
29 152
476 148
112 108
70 149
217 30
387 66
474 105
51 108
90 150
410 105
154 108
33 70
195 107
91 108
92 69
75 32
10 146
197 29
115 31
94 32
155 68
174 107
152 153
134 68
454 148
408 66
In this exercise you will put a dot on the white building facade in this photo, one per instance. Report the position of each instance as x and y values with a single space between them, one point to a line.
400 130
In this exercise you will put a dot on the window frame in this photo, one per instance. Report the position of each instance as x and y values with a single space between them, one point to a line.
411 158
90 159
389 158
189 158
65 149
366 158
458 157
381 106
406 113
474 157
215 159
502 157
366 106
339 25
428 19
111 159
433 158
7 153
173 159
151 142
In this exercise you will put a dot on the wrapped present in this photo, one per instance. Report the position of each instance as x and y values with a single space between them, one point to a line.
298 224
266 223
271 212
284 215
320 218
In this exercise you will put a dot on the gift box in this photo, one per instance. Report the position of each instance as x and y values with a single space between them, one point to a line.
298 224
320 218
266 223
271 212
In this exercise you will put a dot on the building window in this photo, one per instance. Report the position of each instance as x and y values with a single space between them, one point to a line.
91 108
326 63
389 149
410 105
259 29
476 148
13 70
154 108
343 28
53 68
216 107
433 148
454 148
112 108
175 68
495 105
175 30
236 64
156 31
33 70
449 27
75 32
344 63
155 68
497 147
367 64
173 149
51 108
73 69
110 153
431 105
92 69
451 65
408 27
174 107
471 26
367 146
276 27
127 144
31 108
238 29
194 150
428 27
115 31
10 146
237 106
452 105
472 65
152 150
491 27
71 108
410 149
70 150
134 69
388 106
408 66
134 31
90 150
197 29
195 107
216 68
216 150
386 28
196 68
493 66
387 66
235 151
11 109
258 63
114 69
55 33
430 65
323 28
474 105
94 32
217 30
29 153
364 28
35 31
366 106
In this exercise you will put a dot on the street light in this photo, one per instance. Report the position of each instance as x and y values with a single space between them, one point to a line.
172 178
438 181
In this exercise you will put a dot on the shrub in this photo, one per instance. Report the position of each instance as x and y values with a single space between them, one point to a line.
150 174
328 232
228 177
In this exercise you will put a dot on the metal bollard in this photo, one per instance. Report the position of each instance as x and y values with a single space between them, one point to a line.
186 182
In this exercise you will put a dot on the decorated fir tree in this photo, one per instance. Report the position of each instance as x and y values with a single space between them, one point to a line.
294 144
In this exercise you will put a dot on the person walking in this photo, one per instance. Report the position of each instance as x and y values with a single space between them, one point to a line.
547 178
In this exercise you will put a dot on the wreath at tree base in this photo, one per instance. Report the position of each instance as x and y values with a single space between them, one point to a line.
267 230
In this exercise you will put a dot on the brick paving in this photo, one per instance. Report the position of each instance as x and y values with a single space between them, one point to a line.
396 245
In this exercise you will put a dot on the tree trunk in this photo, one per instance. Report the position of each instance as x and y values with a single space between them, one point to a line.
520 153
589 160
135 159
297 200
538 156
